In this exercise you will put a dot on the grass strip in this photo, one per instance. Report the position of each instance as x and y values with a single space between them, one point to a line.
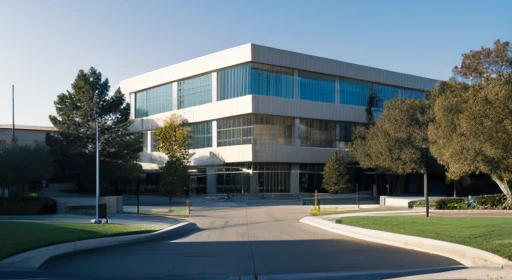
491 234
20 236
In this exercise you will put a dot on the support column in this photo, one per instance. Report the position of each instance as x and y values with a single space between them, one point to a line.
296 93
214 86
254 183
294 179
214 134
211 181
132 106
149 148
296 132
337 91
174 96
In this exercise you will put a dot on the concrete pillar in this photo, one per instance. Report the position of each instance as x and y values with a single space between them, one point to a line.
149 148
211 181
296 132
294 179
337 92
174 96
296 93
214 134
254 183
214 86
132 106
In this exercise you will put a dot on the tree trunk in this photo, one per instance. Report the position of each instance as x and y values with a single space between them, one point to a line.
504 188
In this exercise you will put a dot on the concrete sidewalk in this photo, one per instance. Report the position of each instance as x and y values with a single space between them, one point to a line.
126 219
468 273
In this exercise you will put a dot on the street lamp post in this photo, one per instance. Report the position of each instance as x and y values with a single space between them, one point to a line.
97 169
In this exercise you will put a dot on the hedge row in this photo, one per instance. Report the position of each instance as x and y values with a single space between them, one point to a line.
497 201
28 206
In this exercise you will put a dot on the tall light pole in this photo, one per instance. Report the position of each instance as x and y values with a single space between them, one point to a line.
97 168
13 127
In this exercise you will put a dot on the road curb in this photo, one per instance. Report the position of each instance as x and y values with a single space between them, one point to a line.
467 256
34 258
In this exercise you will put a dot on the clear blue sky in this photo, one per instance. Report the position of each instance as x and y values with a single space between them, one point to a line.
44 43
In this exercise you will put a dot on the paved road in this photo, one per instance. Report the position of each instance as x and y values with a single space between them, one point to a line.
241 239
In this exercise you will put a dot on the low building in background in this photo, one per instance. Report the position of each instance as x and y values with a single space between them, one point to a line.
263 120
25 134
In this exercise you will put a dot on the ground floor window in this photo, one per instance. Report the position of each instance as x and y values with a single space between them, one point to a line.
273 177
310 177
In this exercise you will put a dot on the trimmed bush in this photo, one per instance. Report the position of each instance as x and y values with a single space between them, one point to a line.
30 205
450 203
490 201
315 211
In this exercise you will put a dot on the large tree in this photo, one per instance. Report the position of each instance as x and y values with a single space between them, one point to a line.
486 63
336 178
398 141
21 165
472 130
74 144
397 144
174 141
472 122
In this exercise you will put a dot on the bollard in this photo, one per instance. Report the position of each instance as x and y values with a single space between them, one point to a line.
187 203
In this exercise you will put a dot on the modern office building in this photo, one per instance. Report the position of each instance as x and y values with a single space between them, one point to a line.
263 120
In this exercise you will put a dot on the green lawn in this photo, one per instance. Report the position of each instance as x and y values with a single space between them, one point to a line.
18 236
492 234
331 211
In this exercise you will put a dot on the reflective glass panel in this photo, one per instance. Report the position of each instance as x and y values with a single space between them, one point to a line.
316 87
153 101
195 91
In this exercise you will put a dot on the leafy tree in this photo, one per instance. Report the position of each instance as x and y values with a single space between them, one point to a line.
23 164
174 139
336 178
472 129
174 142
398 141
74 144
486 63
174 178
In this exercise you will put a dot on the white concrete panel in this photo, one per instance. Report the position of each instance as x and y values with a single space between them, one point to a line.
291 154
203 64
221 155
307 109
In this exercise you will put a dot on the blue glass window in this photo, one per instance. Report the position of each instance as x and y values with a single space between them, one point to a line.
271 81
384 93
407 93
316 87
257 79
233 82
195 91
354 93
153 101
201 135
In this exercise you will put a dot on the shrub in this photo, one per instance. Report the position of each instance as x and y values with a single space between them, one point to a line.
490 201
30 205
450 203
315 211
